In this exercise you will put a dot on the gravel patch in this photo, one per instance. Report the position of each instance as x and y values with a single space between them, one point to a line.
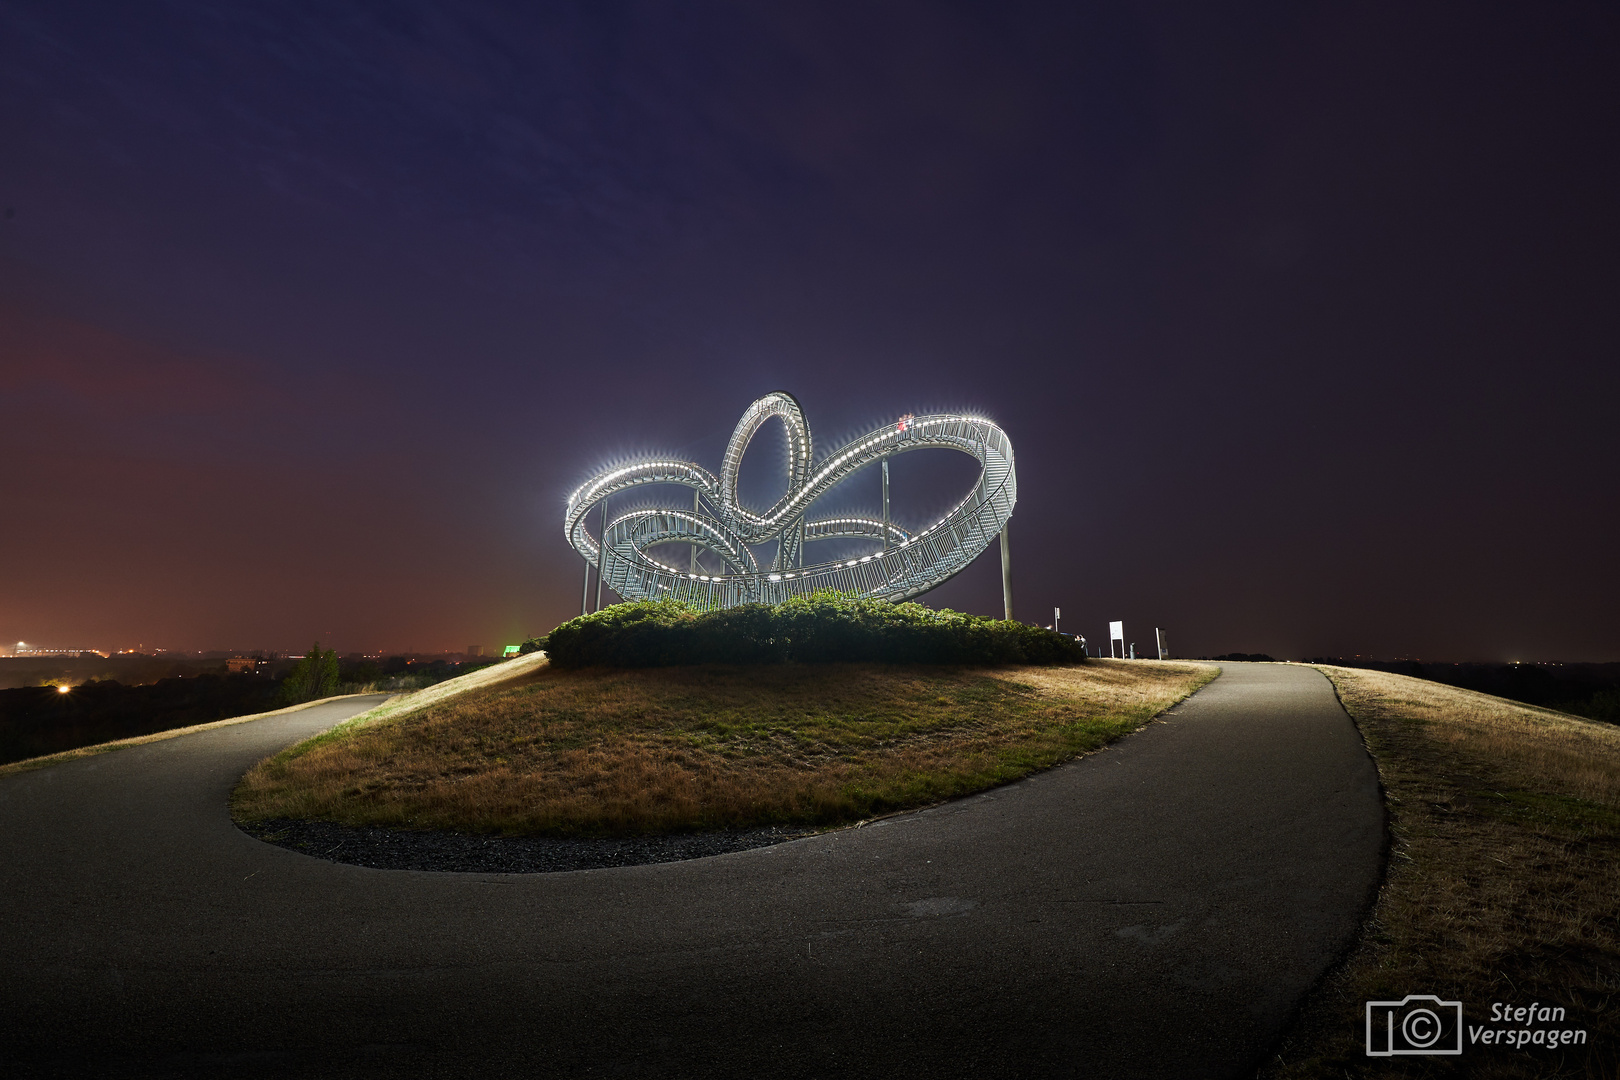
401 849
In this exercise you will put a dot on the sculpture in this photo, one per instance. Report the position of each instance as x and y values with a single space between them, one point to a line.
908 565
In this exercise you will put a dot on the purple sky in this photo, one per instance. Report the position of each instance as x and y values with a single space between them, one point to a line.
1303 321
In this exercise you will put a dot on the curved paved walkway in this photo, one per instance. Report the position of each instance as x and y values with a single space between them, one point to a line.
1152 910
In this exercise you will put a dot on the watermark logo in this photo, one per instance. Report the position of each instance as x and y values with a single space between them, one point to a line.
1424 1024
1416 1024
1523 1027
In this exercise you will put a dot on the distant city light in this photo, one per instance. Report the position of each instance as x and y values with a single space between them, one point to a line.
25 649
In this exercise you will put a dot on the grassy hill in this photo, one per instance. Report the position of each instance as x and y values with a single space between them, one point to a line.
1503 883
624 752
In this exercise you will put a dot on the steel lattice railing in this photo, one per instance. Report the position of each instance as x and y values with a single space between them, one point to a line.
909 565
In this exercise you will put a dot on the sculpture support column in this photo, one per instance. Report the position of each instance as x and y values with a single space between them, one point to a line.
1006 571
696 509
885 504
601 556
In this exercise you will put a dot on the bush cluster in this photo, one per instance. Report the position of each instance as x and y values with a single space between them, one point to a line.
820 628
315 676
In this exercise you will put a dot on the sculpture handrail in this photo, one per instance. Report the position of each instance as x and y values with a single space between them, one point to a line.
910 564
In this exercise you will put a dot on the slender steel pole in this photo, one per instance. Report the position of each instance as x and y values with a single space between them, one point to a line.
885 504
696 509
585 597
601 555
1006 570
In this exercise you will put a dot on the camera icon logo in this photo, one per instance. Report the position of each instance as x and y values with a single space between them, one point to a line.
1416 1024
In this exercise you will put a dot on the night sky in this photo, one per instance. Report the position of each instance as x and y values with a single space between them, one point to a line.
1303 320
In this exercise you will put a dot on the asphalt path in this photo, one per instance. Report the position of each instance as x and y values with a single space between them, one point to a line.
1153 910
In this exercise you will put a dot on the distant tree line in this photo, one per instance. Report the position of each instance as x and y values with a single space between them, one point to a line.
39 720
1589 690
128 668
402 673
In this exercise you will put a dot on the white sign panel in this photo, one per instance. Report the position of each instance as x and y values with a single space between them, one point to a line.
1116 631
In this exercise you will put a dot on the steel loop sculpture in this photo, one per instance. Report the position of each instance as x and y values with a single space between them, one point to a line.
908 565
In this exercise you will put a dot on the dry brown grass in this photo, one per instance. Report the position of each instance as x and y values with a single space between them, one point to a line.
621 752
1528 746
1503 883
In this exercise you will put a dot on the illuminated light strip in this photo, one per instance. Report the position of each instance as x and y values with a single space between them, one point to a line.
898 571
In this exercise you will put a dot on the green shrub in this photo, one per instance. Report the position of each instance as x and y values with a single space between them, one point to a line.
313 677
824 627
